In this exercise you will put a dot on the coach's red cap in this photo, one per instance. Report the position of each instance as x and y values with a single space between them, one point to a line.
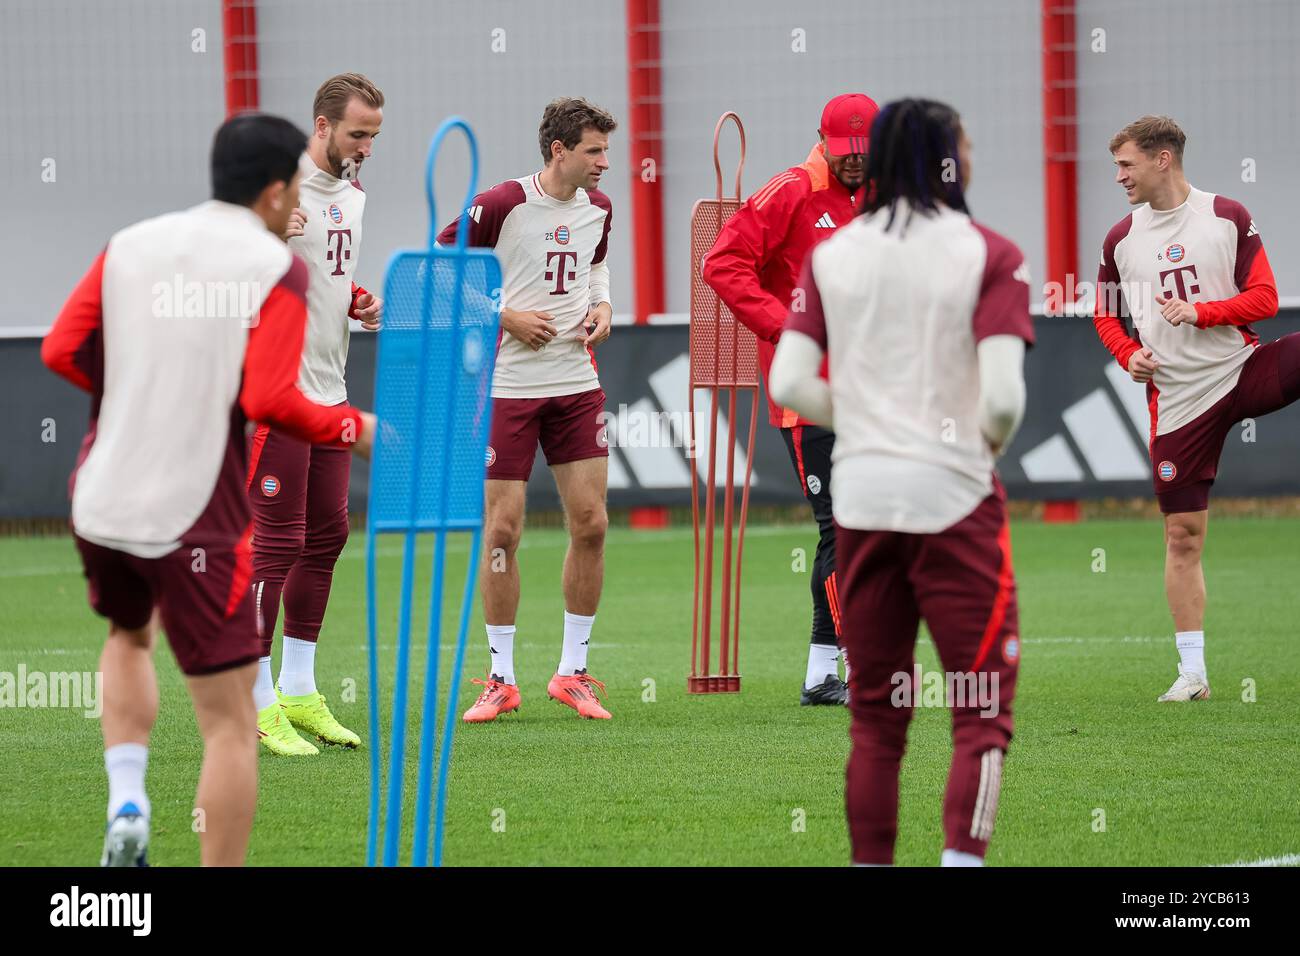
846 123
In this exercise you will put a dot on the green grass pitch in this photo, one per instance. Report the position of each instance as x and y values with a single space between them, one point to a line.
748 779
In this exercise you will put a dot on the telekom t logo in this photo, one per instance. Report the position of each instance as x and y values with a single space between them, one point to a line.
562 271
1185 292
340 239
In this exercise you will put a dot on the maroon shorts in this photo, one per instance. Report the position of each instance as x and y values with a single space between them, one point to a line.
569 427
959 581
203 599
1185 461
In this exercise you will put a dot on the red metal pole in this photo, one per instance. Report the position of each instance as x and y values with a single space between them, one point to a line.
1060 143
1060 173
645 141
239 27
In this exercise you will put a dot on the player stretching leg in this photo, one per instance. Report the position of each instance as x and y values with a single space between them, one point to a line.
1189 269
924 315
299 491
753 266
159 509
551 233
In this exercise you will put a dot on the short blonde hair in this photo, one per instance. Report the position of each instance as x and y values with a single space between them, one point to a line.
335 93
1152 134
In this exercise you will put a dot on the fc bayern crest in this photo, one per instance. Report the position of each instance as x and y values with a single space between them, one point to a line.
1175 253
814 484
562 235
856 121
1011 648
336 214
1168 471
491 456
270 486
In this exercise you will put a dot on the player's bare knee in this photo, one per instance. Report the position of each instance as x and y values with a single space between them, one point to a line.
502 535
587 528
1184 541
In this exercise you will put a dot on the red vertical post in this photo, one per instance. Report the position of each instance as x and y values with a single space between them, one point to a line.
1060 143
239 42
1060 173
645 142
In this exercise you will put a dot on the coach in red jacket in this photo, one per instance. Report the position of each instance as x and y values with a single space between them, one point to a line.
754 267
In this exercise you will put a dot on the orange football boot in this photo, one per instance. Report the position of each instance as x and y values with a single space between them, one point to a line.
497 698
576 692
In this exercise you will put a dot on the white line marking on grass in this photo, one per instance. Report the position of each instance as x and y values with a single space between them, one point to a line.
1290 859
420 645
458 542
1127 639
39 572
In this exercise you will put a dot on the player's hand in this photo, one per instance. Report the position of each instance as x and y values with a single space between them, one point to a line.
369 308
1176 311
365 442
534 329
297 223
597 325
1141 366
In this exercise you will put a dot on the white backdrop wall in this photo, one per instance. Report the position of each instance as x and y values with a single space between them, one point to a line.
1229 73
982 56
434 59
115 94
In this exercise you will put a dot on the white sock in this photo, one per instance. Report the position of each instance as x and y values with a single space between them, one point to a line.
845 655
577 632
501 645
298 667
823 659
264 686
126 764
1191 649
958 858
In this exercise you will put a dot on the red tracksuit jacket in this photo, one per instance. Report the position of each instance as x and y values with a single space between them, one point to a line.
754 265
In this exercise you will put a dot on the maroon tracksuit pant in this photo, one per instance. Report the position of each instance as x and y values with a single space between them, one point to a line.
960 582
299 494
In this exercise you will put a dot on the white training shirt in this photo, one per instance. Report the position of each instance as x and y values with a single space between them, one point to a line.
552 256
330 245
899 312
1203 251
180 293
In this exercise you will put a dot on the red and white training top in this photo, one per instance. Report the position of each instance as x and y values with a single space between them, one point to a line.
899 312
185 324
1206 251
552 258
331 246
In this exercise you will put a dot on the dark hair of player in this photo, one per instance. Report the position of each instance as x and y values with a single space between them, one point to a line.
913 156
251 151
567 118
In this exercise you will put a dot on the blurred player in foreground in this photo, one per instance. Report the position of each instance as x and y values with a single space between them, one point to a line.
924 315
299 490
1188 268
159 509
551 232
753 266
